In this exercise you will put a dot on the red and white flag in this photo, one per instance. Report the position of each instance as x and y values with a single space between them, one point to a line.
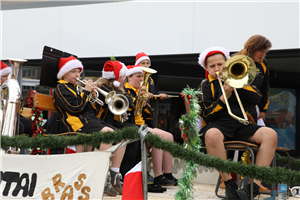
70 149
133 184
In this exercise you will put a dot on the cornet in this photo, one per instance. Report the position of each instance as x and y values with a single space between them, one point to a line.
118 104
238 72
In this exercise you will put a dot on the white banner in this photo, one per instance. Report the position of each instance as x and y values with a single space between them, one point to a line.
72 176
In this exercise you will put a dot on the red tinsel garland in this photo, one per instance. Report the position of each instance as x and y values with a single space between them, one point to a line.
36 120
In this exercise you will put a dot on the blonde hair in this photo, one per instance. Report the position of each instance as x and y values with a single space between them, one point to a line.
255 43
108 82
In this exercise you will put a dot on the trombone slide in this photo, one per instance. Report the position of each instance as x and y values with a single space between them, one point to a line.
245 120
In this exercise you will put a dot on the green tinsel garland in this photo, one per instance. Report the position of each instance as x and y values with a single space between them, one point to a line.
284 160
266 174
192 141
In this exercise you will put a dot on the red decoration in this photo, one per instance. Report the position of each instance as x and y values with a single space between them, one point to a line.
36 120
184 136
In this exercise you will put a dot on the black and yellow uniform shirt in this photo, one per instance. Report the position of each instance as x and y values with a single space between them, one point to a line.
152 89
261 82
213 107
75 109
147 115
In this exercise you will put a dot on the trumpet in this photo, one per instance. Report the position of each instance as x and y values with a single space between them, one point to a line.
118 104
238 72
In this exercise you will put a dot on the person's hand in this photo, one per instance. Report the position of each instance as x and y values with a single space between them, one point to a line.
262 115
143 90
150 95
93 92
163 96
228 91
89 86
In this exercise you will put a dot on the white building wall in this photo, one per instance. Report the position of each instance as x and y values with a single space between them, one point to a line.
126 28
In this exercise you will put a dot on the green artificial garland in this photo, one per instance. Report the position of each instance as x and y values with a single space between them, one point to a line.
191 140
266 174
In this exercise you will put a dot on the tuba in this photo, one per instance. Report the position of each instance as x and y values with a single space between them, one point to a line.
238 72
118 104
142 98
10 103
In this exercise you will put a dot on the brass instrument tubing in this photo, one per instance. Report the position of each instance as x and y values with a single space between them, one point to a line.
245 120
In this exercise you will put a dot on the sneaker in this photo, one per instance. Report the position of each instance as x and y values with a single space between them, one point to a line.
163 181
108 189
230 190
244 193
156 188
150 179
116 180
172 178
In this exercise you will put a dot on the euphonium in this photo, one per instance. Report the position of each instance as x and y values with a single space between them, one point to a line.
142 98
238 72
10 103
118 104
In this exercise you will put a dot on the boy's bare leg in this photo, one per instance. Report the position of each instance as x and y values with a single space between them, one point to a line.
267 138
215 147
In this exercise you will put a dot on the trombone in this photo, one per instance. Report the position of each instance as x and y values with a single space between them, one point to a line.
118 104
238 72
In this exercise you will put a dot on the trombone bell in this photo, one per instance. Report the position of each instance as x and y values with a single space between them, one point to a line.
239 71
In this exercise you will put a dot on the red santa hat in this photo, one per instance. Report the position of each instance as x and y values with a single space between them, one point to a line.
140 57
5 70
67 64
114 69
209 52
132 69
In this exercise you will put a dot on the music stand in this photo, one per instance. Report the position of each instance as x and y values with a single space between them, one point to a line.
49 67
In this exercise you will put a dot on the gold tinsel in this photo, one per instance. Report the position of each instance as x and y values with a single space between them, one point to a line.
246 159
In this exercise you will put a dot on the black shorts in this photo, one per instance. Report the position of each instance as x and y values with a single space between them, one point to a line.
231 129
95 126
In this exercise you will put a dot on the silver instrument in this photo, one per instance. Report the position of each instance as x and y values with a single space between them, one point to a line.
296 191
10 103
118 104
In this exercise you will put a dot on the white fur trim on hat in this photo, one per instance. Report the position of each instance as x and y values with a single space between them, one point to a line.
5 71
202 56
143 58
123 70
72 64
133 71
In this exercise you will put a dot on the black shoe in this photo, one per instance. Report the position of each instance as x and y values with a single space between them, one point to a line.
172 178
163 181
156 188
230 190
244 193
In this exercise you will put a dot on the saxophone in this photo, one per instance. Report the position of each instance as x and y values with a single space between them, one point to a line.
10 104
142 98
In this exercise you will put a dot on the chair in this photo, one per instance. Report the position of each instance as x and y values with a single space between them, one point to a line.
250 147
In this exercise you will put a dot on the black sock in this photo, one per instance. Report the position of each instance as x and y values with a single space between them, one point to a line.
226 182
169 176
